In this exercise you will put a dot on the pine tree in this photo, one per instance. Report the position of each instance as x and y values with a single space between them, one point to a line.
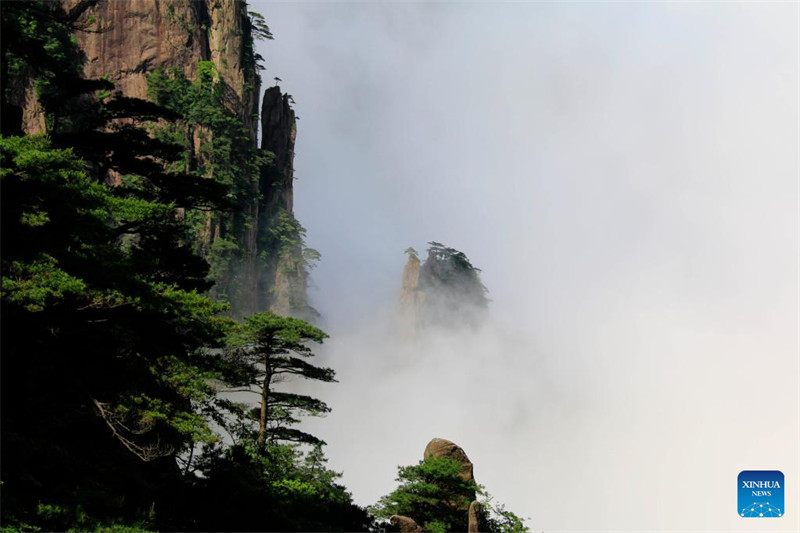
100 337
103 382
268 349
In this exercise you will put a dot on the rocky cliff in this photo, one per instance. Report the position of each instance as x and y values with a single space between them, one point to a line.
129 40
285 276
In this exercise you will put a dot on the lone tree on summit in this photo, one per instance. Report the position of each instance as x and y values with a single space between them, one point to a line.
266 350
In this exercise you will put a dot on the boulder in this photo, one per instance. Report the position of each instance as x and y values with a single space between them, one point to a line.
444 448
405 524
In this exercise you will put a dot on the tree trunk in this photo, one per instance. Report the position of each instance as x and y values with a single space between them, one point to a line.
262 422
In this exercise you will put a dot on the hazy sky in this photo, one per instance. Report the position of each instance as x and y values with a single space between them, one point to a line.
626 176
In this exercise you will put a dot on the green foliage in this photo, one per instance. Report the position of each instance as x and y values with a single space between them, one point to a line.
48 514
221 254
267 349
257 29
258 26
173 18
436 526
411 252
287 239
225 152
102 312
93 409
217 148
497 519
449 266
38 283
279 488
206 74
285 253
287 233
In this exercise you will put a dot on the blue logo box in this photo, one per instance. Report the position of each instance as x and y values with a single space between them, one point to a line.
761 494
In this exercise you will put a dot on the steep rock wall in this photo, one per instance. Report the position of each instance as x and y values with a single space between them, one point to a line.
285 278
278 134
411 298
135 37
131 39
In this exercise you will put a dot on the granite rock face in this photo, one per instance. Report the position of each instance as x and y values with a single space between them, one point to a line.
279 131
411 298
135 37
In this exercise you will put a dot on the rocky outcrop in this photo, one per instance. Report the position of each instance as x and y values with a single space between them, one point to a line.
404 524
285 276
438 448
444 291
278 133
473 525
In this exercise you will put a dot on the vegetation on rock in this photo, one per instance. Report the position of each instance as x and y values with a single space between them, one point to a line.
433 493
437 495
454 294
444 291
216 146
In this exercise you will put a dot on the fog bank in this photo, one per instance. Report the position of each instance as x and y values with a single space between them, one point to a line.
626 176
